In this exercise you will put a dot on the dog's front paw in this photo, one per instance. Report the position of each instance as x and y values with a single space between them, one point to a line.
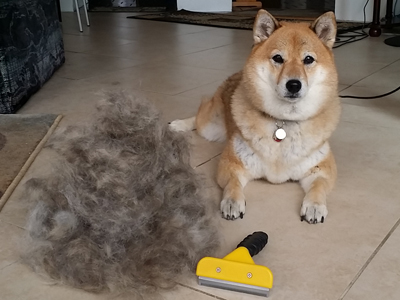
233 209
313 213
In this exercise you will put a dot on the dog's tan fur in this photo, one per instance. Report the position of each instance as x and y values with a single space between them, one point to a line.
247 107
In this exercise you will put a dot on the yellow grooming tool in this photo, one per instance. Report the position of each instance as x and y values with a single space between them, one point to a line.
237 271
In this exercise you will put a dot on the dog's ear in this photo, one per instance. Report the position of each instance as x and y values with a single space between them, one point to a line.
264 25
325 28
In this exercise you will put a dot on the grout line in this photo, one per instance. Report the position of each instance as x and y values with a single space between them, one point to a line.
197 87
202 292
12 224
345 88
203 163
14 262
371 75
369 260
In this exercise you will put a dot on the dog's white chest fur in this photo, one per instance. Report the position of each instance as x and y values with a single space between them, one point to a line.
281 161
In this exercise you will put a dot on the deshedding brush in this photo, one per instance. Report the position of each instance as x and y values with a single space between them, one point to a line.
237 271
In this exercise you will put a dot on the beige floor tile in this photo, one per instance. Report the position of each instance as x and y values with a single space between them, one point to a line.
20 282
203 150
182 293
384 116
387 77
203 91
80 65
145 26
82 43
368 51
231 57
380 279
173 107
9 240
143 51
350 72
45 100
201 41
359 60
237 34
155 48
165 79
74 99
58 96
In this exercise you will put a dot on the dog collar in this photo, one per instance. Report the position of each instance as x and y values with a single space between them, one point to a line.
279 133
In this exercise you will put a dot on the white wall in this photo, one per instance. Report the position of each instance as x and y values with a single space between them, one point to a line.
205 5
68 5
352 10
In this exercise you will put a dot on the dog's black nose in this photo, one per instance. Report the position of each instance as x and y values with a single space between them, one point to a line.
293 86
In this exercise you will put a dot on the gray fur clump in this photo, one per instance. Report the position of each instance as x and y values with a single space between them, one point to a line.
123 211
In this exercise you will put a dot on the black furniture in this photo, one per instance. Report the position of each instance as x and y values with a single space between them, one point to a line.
31 49
375 29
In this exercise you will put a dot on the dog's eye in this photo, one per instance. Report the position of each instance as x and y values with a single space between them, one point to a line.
278 59
308 60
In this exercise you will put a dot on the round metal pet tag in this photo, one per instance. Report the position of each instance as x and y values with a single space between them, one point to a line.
279 134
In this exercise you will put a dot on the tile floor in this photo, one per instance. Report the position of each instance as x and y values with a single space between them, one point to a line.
353 256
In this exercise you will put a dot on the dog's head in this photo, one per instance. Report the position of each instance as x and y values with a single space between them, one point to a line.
291 68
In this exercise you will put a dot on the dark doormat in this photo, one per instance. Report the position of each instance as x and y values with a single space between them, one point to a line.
229 20
21 139
393 41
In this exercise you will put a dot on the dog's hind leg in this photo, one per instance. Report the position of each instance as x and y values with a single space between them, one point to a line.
317 184
183 125
213 117
209 121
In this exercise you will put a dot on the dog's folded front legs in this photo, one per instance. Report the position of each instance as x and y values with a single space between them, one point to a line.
317 184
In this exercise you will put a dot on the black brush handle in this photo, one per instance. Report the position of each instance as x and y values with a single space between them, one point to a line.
254 242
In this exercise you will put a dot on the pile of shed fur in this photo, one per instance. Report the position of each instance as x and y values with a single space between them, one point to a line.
123 210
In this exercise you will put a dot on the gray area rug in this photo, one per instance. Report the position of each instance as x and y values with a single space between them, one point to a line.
20 136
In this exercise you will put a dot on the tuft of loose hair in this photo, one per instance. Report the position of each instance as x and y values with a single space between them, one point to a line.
123 210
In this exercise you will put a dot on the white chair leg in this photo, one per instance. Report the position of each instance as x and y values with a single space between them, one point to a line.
79 16
86 14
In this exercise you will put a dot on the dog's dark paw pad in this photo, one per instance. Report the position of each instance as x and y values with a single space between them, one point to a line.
313 213
231 209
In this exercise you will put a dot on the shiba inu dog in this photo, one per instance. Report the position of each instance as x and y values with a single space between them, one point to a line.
277 115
